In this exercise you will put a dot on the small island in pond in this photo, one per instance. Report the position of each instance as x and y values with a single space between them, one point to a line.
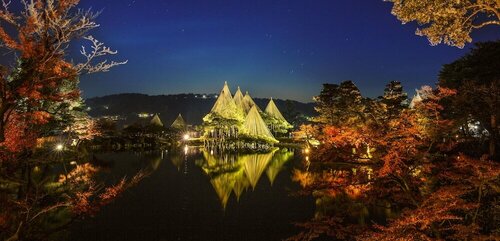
236 122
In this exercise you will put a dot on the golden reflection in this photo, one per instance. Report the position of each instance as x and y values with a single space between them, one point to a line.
235 173
177 160
155 162
179 156
276 166
255 165
223 185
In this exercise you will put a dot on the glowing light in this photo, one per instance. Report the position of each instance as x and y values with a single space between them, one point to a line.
307 150
59 147
185 137
186 149
143 115
73 163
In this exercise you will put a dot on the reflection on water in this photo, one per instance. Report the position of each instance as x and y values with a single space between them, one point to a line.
231 173
341 191
155 162
235 173
197 194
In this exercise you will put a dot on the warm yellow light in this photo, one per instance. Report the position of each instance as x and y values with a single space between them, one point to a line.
59 147
186 149
307 150
185 137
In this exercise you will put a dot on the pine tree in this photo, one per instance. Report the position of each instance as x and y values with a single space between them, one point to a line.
326 104
339 104
476 77
394 99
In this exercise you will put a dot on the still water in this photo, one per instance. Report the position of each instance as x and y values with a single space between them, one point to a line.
194 194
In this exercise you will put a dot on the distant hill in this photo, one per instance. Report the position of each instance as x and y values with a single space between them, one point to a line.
193 107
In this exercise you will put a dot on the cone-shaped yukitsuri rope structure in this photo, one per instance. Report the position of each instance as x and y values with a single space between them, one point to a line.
179 123
273 111
156 121
255 125
238 100
225 106
249 103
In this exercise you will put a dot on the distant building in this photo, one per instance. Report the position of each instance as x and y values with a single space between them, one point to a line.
111 117
144 115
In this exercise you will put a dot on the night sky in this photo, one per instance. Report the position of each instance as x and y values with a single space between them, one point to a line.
283 49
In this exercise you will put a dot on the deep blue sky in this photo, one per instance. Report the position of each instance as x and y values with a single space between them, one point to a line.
284 49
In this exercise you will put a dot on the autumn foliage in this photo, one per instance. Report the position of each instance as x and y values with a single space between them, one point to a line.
405 160
39 97
448 22
42 81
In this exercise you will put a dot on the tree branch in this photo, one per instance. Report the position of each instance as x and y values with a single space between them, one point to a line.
492 22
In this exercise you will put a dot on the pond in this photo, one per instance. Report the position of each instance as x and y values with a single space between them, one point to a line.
195 194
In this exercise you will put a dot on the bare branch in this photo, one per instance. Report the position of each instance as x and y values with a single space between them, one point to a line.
6 15
48 209
98 50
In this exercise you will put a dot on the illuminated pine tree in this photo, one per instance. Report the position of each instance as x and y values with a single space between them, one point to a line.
339 104
394 99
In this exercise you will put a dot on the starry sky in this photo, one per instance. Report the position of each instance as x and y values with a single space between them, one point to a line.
281 49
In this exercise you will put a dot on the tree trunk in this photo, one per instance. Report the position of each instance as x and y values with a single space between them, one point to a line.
21 192
5 110
2 130
493 136
2 124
